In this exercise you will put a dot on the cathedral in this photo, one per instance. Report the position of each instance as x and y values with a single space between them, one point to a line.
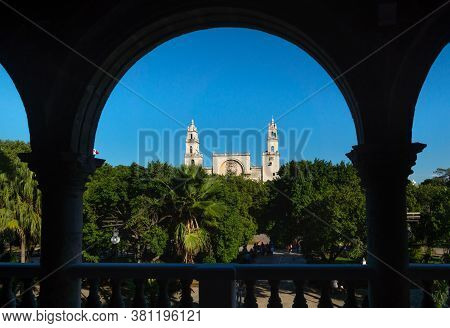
236 163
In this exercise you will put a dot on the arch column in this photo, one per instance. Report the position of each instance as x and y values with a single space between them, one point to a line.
384 170
62 178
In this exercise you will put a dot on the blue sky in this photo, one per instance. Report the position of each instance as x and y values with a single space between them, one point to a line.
233 81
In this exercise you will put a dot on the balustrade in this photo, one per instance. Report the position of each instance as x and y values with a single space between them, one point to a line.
250 298
93 300
186 298
17 281
325 295
116 300
139 299
163 298
274 299
350 301
299 299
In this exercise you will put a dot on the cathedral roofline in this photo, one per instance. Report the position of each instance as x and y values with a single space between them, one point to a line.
231 154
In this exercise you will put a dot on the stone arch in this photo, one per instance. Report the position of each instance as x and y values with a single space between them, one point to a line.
410 76
141 41
232 166
20 93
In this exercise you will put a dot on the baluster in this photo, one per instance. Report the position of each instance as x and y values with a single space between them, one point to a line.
217 293
299 300
350 301
139 300
427 299
274 299
163 298
28 300
93 300
325 296
116 300
250 299
186 298
7 297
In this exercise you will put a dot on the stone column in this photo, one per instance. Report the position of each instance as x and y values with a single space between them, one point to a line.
62 178
384 170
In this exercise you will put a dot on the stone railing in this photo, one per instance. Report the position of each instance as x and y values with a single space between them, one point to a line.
217 282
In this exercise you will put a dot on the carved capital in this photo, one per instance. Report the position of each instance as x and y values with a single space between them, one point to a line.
376 163
63 171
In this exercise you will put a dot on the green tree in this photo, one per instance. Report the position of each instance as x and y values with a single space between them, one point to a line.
320 204
442 177
192 203
432 199
147 237
245 200
132 196
105 199
279 220
20 211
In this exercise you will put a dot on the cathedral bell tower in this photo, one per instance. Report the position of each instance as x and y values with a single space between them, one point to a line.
271 157
192 155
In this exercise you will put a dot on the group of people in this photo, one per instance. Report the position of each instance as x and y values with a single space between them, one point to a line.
294 247
262 249
258 248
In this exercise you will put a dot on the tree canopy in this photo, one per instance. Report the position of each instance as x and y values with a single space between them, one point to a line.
20 212
181 214
175 214
320 204
431 199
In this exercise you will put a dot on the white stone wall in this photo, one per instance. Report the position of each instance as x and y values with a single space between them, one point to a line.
270 165
193 159
238 163
256 173
241 166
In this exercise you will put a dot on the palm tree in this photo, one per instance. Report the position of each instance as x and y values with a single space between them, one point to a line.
20 208
193 205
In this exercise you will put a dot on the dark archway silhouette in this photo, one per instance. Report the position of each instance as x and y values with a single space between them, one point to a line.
431 116
145 39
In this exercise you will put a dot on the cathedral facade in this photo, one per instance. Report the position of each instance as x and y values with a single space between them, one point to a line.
236 163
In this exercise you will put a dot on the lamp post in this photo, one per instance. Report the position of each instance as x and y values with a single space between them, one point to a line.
114 223
115 240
